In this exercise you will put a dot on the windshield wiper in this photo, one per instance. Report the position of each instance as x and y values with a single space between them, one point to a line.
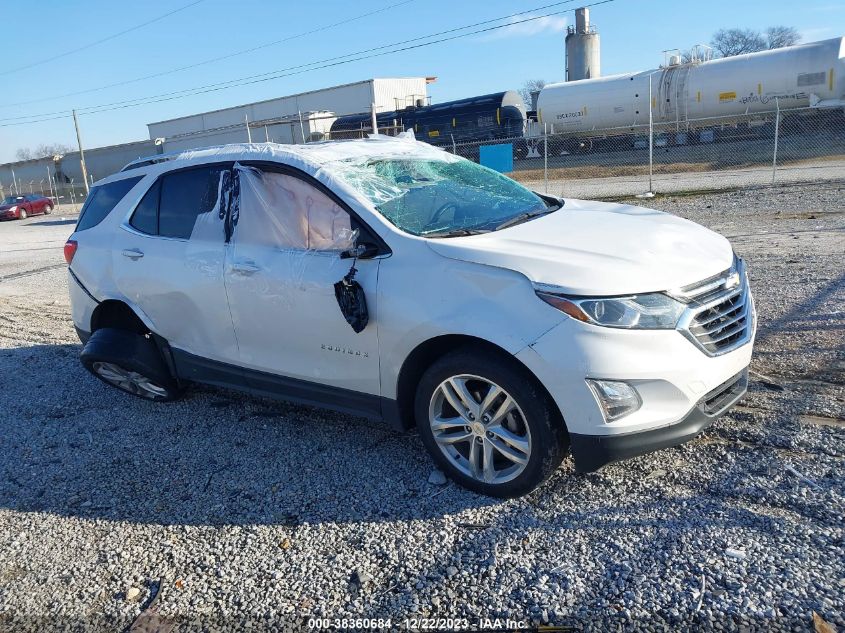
524 217
453 233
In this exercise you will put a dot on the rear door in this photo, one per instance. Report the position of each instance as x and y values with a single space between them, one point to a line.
281 267
168 261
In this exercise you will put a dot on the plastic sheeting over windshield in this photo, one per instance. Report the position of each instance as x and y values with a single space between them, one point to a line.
436 192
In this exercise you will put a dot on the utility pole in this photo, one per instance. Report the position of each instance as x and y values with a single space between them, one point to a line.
81 153
650 138
777 132
53 194
375 121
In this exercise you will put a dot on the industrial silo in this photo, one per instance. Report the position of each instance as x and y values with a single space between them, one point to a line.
583 50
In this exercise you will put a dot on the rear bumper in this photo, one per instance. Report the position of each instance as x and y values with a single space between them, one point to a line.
591 452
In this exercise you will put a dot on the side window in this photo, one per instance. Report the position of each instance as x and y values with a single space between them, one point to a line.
185 195
145 218
102 200
283 211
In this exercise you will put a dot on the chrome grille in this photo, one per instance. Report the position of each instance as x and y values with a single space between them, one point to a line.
720 313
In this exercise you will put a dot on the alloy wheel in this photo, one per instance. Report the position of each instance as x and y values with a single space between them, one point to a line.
480 428
128 380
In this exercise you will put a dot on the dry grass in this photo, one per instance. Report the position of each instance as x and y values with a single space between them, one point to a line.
601 171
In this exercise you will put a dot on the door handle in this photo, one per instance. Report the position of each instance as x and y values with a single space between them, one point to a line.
132 253
245 267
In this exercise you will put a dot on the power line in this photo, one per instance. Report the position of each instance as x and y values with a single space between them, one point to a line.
100 41
318 65
208 61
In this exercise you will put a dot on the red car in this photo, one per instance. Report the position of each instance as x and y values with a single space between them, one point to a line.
21 207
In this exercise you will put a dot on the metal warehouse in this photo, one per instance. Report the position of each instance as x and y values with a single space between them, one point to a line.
293 119
297 118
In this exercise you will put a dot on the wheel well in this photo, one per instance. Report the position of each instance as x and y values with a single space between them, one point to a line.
426 353
116 314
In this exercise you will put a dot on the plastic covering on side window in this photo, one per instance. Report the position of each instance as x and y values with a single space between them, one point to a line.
285 212
291 232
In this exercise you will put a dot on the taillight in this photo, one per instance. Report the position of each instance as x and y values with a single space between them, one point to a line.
70 250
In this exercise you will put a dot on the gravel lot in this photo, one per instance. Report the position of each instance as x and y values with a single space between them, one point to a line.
223 508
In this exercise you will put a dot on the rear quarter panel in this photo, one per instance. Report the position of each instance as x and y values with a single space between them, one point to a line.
93 262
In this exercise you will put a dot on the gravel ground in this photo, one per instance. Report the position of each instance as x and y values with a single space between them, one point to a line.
223 509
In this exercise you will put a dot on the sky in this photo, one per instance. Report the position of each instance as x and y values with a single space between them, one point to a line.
68 47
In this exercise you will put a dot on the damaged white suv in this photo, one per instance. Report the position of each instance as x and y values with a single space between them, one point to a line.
389 279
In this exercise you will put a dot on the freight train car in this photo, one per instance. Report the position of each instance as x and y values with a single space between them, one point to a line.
687 94
485 118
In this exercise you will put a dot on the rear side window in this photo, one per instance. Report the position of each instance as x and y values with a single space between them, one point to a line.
171 206
145 218
101 200
185 195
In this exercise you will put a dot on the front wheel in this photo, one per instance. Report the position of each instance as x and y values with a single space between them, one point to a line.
488 424
22 214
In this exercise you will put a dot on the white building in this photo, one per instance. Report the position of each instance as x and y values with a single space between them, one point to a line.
292 119
306 116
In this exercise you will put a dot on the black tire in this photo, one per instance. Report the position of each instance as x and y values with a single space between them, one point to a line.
549 440
48 209
111 349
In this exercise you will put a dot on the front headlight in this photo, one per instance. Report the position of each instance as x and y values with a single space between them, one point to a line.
654 311
12 209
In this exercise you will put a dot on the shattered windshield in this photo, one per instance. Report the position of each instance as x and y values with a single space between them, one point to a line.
439 197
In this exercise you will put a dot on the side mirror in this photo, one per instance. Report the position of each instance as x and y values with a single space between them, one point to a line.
364 250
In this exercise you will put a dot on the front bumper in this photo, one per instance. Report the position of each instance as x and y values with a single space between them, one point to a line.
591 452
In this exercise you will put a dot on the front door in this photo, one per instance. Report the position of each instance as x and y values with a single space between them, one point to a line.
281 266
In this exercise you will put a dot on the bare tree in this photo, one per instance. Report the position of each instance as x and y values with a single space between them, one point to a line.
730 42
780 36
52 149
531 86
45 150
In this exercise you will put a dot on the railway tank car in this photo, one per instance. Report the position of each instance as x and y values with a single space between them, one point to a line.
810 74
487 117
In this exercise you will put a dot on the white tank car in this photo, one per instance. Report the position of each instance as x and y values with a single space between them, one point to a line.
804 75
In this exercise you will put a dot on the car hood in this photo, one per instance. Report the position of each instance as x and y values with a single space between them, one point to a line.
598 248
6 207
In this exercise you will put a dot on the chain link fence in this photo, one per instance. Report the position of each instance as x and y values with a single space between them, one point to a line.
69 193
777 147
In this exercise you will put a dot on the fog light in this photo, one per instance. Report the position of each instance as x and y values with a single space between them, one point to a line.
616 398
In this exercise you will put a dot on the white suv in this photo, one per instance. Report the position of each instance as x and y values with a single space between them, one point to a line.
389 279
